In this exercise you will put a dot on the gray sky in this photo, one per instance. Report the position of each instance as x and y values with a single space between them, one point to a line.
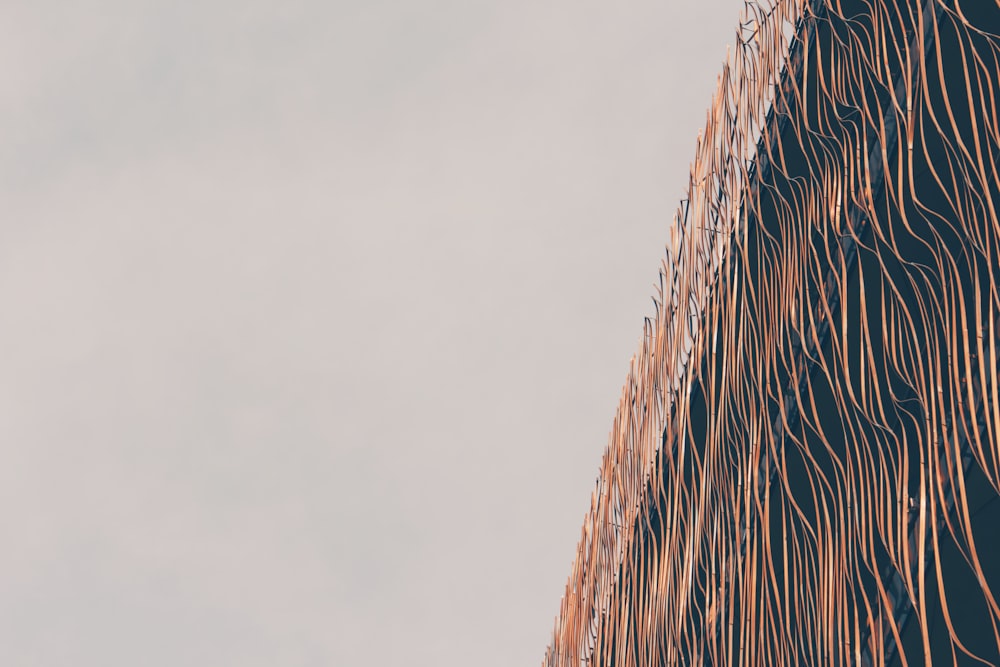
314 315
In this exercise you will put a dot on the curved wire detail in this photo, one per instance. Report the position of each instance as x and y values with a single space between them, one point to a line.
804 464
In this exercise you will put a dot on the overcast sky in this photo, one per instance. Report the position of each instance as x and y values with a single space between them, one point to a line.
314 315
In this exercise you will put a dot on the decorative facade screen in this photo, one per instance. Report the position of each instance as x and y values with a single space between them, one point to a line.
805 463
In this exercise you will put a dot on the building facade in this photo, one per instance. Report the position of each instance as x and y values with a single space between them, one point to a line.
805 463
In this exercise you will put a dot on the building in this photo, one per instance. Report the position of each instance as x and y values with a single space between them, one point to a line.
805 464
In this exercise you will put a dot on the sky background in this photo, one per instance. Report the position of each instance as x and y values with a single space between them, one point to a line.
314 315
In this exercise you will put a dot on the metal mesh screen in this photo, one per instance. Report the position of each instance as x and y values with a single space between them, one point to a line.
804 464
